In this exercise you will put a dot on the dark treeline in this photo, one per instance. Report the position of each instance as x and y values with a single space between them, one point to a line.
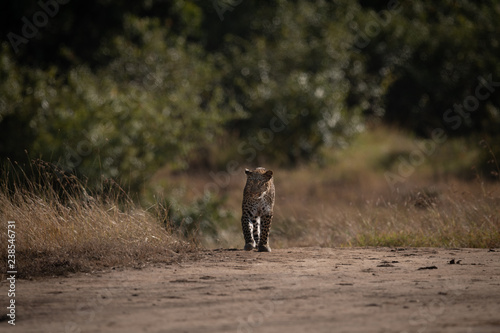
119 88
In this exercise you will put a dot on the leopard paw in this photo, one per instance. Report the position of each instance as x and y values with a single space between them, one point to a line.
249 247
264 248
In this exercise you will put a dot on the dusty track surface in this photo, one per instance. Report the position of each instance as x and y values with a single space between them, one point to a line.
288 290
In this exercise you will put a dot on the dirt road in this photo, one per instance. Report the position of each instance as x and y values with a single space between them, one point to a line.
288 290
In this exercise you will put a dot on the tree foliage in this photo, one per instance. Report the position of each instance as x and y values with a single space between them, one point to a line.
116 89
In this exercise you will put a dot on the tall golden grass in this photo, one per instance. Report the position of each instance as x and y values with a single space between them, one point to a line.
448 215
63 229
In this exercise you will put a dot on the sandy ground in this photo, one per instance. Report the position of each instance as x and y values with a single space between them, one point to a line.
288 290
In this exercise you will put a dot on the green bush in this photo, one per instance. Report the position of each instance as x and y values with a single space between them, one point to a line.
199 220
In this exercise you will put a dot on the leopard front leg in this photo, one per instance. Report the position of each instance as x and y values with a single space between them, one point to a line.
247 226
256 229
265 221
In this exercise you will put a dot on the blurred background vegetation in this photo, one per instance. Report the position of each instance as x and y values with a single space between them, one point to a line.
126 89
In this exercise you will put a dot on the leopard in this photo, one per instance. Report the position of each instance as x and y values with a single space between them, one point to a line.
257 209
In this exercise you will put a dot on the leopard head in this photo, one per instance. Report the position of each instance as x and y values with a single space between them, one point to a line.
259 181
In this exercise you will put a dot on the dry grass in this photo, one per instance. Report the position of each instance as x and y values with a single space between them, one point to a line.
349 202
70 231
448 215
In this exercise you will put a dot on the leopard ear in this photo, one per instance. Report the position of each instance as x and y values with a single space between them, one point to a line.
269 174
247 171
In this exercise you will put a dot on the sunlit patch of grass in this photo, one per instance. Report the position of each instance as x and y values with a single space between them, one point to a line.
457 214
57 234
452 220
